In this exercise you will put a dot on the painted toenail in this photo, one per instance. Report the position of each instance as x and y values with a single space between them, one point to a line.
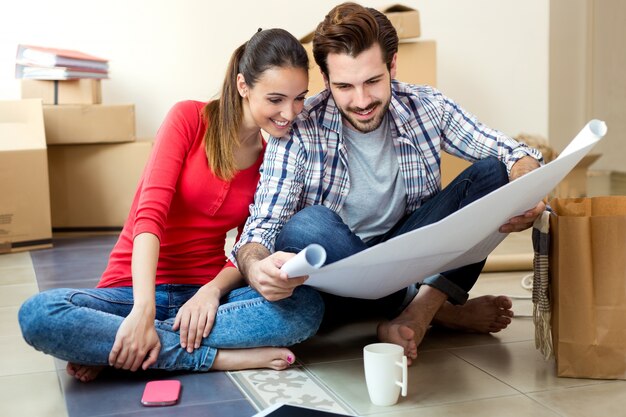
290 359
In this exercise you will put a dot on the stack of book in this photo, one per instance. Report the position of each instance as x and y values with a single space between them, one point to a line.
40 63
94 160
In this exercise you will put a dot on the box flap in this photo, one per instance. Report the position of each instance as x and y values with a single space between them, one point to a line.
405 19
395 8
21 125
588 160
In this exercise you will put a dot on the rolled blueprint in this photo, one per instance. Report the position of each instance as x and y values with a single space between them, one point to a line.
392 265
306 261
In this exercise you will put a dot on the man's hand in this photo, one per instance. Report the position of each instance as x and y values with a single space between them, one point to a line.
522 167
136 342
262 271
526 220
266 277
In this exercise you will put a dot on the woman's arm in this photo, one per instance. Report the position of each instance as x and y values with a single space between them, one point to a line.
137 343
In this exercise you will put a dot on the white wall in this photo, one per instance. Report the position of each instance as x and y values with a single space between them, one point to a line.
492 54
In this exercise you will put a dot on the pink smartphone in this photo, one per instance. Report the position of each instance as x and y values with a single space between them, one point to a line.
160 393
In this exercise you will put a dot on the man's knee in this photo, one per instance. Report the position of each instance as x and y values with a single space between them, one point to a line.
310 225
318 213
494 169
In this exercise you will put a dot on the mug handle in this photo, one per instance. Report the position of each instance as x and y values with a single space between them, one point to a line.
404 383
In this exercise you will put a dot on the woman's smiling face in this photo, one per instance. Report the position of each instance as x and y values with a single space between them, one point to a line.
276 99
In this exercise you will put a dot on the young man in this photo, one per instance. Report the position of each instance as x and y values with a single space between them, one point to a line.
361 166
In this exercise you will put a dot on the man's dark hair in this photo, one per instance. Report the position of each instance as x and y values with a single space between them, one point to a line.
350 28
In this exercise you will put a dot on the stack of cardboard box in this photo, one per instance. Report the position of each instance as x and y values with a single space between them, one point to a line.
416 64
94 160
24 192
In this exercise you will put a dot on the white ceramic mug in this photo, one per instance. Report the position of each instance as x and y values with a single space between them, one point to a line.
385 372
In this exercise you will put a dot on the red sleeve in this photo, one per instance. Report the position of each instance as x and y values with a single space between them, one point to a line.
229 264
160 177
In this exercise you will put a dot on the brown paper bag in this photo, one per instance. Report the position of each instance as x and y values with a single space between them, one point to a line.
588 284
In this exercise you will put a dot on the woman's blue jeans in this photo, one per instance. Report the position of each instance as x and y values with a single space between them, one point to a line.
318 224
79 325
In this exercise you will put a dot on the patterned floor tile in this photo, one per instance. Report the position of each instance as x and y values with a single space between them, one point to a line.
295 386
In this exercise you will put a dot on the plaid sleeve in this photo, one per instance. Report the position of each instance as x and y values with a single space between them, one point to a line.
466 137
277 194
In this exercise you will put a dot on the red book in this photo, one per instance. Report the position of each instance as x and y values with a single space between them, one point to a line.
39 56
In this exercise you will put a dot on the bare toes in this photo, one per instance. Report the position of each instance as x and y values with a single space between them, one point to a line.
503 302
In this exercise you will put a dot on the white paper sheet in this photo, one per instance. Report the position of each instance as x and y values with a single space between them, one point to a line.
463 238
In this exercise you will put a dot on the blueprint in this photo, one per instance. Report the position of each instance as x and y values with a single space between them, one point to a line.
465 237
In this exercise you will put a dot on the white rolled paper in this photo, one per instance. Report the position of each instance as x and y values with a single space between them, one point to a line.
306 261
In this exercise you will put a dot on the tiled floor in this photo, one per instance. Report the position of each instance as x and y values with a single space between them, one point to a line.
29 385
456 374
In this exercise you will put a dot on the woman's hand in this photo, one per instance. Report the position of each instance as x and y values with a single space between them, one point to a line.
136 342
196 317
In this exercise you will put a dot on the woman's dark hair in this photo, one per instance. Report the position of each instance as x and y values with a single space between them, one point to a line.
270 48
350 28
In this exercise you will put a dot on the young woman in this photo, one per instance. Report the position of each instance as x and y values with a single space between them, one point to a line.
168 298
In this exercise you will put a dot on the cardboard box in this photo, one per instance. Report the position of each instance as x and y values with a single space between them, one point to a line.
416 64
83 91
24 192
451 167
89 123
618 183
574 185
405 19
92 186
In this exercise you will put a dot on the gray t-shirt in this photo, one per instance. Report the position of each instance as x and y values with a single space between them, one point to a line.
377 197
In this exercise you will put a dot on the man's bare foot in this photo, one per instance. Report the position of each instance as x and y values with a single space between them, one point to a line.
400 333
264 357
485 314
409 328
83 373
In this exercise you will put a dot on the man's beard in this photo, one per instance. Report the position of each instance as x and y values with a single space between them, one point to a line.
370 125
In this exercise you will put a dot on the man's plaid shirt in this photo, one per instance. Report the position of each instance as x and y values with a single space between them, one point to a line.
311 167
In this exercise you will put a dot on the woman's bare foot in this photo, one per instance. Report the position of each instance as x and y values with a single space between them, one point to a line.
264 357
485 314
83 373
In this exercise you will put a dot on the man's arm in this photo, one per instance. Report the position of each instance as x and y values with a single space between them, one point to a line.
522 167
275 201
263 273
248 254
516 224
466 137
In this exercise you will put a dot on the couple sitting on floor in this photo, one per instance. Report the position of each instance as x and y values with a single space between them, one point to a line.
354 166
